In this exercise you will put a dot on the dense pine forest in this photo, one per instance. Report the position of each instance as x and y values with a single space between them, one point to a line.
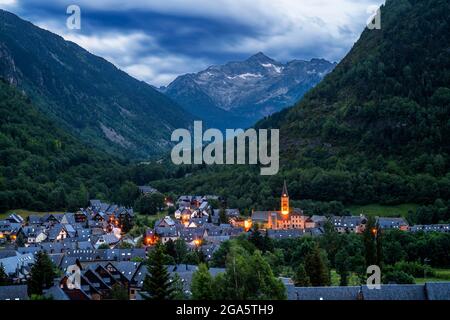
41 166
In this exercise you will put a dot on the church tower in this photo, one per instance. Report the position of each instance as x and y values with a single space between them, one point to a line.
285 200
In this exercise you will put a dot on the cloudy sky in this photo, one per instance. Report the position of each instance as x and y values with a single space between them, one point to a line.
157 40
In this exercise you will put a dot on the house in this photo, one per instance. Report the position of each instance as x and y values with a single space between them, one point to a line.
96 283
431 228
167 233
34 234
9 229
147 190
80 216
167 222
393 223
57 232
316 221
349 224
193 236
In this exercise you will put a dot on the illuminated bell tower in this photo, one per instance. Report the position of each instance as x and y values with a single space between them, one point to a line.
285 200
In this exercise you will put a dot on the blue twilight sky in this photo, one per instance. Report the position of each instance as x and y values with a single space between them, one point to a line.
157 40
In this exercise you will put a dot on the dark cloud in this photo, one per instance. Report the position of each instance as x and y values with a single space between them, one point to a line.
158 40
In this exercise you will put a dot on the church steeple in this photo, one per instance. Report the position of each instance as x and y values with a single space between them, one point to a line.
285 200
285 192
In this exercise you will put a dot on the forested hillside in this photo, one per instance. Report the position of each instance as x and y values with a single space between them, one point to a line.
102 105
375 130
44 168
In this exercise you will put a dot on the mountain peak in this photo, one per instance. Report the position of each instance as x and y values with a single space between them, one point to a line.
260 57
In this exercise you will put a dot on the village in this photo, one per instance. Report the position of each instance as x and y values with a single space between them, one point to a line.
93 239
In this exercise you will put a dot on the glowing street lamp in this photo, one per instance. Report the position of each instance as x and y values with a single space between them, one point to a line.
248 224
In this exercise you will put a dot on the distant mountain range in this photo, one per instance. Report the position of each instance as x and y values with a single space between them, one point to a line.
238 94
85 94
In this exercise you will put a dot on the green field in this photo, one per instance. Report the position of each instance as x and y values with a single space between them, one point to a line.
383 211
441 275
24 213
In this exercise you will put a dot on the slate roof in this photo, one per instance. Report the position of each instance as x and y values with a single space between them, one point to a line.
34 219
6 253
406 292
15 218
127 268
191 234
7 226
285 234
11 264
438 290
323 293
431 228
391 223
124 254
347 221
260 216
55 231
147 189
56 293
32 250
13 292
395 292
315 231
166 231
109 239
30 231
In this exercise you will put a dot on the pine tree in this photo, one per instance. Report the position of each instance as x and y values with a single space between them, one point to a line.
257 238
316 268
4 279
42 274
170 249
178 288
342 266
157 283
20 240
126 223
301 278
202 284
223 216
379 240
